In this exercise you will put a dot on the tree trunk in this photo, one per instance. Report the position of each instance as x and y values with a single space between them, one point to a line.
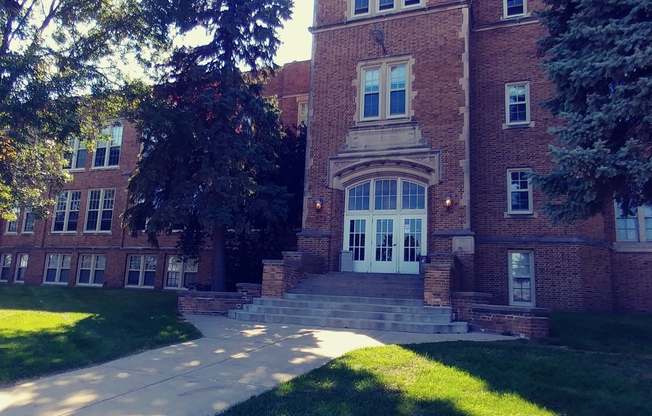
218 275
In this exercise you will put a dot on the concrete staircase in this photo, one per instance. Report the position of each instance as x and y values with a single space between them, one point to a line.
384 302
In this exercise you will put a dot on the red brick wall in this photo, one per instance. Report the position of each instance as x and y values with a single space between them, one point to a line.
632 277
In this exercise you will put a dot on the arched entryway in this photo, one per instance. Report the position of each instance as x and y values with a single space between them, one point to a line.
385 225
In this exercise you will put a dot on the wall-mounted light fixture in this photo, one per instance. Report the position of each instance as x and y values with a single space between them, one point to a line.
319 204
379 37
448 200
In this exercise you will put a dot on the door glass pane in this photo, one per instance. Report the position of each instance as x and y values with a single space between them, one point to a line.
384 239
412 239
357 238
385 196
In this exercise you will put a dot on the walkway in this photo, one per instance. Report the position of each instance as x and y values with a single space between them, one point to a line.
233 361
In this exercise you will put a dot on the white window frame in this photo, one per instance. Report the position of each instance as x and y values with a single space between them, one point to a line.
528 118
110 131
141 270
58 269
93 269
510 16
19 267
373 8
530 192
531 276
13 224
67 211
5 266
301 117
384 89
100 210
187 266
29 218
639 217
76 146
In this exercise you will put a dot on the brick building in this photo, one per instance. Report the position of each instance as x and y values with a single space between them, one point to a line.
84 244
424 121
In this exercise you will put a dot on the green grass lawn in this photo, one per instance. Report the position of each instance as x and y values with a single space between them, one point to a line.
592 365
44 330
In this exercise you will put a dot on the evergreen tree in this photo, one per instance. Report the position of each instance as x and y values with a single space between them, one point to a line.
598 53
208 135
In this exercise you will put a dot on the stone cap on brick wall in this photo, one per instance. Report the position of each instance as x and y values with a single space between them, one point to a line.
512 310
475 295
210 295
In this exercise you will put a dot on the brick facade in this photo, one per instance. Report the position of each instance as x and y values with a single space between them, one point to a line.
461 59
115 245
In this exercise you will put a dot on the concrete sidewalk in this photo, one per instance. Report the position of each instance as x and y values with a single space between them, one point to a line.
234 361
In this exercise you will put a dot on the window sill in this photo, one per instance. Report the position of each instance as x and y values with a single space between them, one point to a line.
517 16
27 233
175 289
63 232
11 233
56 283
520 215
97 232
632 247
90 284
139 287
76 170
17 282
518 126
112 167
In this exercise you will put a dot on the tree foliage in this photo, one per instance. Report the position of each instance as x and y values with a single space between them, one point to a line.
598 53
209 137
57 71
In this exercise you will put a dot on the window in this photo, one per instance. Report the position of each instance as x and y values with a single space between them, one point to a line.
359 197
57 268
517 103
521 278
28 222
12 226
107 152
372 7
21 268
5 261
180 274
384 91
303 114
513 8
77 159
519 191
91 269
413 196
141 271
636 227
67 212
100 209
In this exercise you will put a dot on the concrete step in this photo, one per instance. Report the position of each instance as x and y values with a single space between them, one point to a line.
362 306
368 324
422 317
353 299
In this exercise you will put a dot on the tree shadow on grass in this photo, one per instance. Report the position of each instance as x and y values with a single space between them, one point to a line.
564 381
336 390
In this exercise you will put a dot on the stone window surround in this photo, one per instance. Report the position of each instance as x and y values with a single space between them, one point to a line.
384 64
513 16
528 121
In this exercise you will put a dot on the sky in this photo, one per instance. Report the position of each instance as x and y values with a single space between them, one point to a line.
297 41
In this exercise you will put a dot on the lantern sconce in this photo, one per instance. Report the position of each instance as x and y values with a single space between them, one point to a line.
319 204
448 201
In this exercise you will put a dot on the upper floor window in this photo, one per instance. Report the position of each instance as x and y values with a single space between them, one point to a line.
519 192
384 91
12 226
99 214
512 8
66 212
635 227
28 221
362 8
77 159
303 113
107 151
517 103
